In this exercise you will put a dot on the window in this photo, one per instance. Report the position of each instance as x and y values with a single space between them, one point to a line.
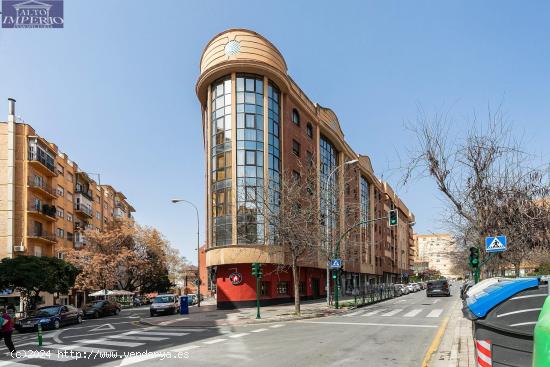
37 251
61 255
70 196
60 191
274 153
69 217
60 233
60 169
329 161
265 289
296 148
296 176
295 117
70 236
60 213
309 130
282 288
69 177
98 215
98 198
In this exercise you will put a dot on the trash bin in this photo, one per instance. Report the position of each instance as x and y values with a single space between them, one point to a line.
541 350
504 316
184 305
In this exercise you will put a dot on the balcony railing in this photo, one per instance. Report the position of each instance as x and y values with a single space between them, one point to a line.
46 209
42 235
42 186
79 207
37 158
87 193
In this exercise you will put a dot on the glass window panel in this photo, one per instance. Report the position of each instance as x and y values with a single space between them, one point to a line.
259 86
250 121
250 98
240 157
227 99
250 85
240 121
219 90
240 84
240 97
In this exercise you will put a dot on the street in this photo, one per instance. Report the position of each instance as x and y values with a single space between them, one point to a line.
396 332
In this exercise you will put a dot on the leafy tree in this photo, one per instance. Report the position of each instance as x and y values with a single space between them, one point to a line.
31 275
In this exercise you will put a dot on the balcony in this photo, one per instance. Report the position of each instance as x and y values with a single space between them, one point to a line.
82 226
85 192
79 241
83 209
42 165
43 211
42 188
42 236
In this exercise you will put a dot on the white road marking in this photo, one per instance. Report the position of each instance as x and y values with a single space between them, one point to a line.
192 330
214 341
435 313
80 348
140 338
368 324
436 301
10 363
161 333
276 326
413 313
238 335
374 312
103 327
110 342
354 313
393 312
173 321
258 330
185 348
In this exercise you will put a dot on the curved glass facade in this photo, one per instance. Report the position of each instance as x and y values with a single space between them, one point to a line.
221 162
329 161
250 161
274 151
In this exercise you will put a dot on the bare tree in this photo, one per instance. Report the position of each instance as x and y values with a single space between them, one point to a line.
487 180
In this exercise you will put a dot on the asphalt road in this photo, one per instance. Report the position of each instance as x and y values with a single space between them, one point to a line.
392 333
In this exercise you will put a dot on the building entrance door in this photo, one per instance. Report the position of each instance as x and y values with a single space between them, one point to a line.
315 287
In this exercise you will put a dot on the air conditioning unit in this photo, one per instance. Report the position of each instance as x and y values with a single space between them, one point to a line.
19 248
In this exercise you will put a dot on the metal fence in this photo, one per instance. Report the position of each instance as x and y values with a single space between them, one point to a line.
371 293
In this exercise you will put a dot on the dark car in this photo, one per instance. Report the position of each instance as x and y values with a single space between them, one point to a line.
50 317
101 308
438 288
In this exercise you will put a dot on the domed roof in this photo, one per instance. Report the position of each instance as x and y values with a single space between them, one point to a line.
241 44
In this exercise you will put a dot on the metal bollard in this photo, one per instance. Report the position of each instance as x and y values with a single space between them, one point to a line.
39 327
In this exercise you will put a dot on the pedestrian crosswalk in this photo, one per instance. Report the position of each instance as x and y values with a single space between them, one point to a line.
398 312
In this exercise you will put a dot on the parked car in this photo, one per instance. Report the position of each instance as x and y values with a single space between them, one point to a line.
165 303
192 300
416 287
438 287
410 287
137 302
101 308
406 289
50 317
399 290
423 285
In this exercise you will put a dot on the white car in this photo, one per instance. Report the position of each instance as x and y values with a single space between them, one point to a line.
165 304
411 288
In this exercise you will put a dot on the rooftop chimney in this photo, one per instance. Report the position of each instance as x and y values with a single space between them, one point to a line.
11 109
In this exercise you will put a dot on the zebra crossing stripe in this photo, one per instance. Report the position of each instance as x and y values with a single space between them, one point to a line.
276 326
435 313
413 313
214 341
111 342
138 338
393 312
354 313
258 330
238 335
374 312
155 333
185 330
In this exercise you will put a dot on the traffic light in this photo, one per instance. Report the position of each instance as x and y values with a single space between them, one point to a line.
393 218
257 270
474 257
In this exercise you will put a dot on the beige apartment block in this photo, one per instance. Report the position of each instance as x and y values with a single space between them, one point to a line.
436 250
47 200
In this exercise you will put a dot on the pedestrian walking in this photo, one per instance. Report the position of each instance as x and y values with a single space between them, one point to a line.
7 330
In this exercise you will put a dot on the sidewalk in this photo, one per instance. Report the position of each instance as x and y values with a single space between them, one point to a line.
457 345
208 315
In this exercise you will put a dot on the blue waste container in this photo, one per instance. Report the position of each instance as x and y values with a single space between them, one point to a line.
504 315
184 305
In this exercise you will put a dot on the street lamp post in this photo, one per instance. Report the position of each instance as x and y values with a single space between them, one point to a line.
327 180
198 282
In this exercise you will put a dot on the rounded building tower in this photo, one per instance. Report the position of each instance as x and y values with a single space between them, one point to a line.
256 121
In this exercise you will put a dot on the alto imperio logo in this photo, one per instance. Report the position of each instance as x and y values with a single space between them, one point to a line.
32 14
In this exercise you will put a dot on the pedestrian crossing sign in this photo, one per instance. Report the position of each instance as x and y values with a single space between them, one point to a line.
495 244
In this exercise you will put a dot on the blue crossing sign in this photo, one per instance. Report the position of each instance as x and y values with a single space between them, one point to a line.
335 263
495 244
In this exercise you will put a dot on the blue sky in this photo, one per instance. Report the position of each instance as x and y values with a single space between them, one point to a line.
115 87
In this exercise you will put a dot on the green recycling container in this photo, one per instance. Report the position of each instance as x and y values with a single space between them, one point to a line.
541 349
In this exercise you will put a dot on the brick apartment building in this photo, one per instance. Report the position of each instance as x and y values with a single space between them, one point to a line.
47 200
257 123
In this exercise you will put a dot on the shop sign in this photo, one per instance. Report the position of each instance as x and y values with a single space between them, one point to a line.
236 278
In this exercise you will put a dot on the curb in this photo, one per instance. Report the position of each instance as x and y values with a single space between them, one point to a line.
243 322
